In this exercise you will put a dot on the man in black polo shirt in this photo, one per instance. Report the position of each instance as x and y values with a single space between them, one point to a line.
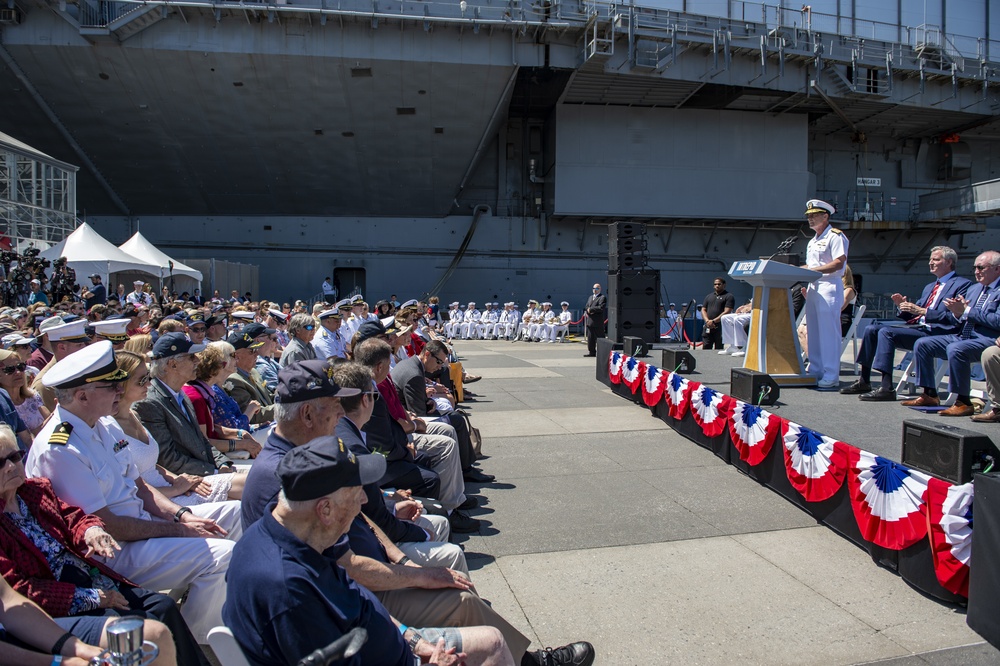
718 303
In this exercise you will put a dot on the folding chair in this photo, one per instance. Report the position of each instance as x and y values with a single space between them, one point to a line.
852 337
226 648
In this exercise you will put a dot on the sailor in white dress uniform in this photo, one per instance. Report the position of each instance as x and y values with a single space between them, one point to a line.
827 254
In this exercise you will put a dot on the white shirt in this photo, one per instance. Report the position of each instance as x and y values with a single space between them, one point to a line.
826 247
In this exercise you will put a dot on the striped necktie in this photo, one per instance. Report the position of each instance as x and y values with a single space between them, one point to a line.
969 324
930 302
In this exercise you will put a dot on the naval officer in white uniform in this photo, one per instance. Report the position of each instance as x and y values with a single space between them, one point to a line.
827 254
163 545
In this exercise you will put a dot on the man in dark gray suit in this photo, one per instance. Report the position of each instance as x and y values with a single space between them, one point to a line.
169 415
594 311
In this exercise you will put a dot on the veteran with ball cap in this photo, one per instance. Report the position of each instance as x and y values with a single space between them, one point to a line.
174 344
826 254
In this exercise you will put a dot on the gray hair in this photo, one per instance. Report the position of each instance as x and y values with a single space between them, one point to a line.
157 366
65 396
295 505
285 412
947 254
299 322
992 256
223 346
7 435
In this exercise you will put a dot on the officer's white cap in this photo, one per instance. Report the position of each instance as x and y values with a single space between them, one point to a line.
344 304
71 332
412 303
278 314
819 206
112 329
95 363
242 314
50 323
564 303
326 314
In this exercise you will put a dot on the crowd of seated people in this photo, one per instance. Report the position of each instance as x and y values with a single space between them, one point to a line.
142 437
538 323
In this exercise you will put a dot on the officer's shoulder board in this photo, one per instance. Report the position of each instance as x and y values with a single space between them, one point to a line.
60 436
835 230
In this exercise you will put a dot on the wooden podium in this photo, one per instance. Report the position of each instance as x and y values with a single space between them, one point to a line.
773 344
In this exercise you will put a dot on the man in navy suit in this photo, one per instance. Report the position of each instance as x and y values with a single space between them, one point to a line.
978 319
928 316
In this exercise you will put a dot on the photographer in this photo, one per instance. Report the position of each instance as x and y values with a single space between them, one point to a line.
63 282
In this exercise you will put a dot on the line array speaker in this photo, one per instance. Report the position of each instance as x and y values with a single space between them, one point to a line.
633 305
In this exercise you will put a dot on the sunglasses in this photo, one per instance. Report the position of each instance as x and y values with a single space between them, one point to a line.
309 328
199 329
982 268
11 369
15 457
145 379
441 360
374 395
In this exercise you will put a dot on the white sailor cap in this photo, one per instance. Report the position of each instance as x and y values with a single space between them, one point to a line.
455 304
112 329
327 314
472 304
242 314
547 303
531 300
819 206
15 340
412 303
279 315
344 304
74 331
95 363
564 303
50 323
138 283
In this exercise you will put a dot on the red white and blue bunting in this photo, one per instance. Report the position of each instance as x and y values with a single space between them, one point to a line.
815 464
653 383
753 431
632 373
888 500
615 364
949 512
677 393
710 409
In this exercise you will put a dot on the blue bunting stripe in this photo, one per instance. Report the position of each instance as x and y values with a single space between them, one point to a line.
888 500
753 431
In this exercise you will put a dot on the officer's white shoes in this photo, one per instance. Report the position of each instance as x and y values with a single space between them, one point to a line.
739 352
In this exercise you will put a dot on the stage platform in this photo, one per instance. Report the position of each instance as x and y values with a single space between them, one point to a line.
609 526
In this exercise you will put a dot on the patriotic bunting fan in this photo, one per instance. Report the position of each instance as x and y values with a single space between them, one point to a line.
632 373
710 410
949 509
888 500
677 392
815 464
753 431
654 380
615 364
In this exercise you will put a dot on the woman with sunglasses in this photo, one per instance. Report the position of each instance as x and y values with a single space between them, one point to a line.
220 418
142 450
14 380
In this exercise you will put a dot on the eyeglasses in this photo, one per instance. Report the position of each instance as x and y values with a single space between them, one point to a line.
113 386
14 457
982 268
441 360
199 329
374 395
11 369
145 379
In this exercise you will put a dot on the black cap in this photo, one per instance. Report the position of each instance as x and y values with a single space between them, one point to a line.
370 329
242 340
326 465
256 330
305 380
173 344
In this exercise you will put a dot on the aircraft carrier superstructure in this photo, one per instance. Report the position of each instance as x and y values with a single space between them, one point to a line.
477 149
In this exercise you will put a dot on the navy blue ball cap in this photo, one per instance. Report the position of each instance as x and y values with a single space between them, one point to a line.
305 380
174 344
323 466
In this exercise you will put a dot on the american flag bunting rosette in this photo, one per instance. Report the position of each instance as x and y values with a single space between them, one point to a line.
815 464
615 363
949 513
753 431
677 393
653 382
632 373
710 409
888 500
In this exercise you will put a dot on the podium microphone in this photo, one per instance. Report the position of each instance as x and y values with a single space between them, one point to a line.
784 246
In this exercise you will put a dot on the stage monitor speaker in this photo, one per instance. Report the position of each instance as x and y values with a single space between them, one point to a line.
983 613
627 262
946 451
676 359
634 346
754 387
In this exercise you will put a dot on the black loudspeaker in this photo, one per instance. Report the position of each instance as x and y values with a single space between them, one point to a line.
754 387
617 230
983 614
627 262
634 305
633 346
676 359
627 245
946 451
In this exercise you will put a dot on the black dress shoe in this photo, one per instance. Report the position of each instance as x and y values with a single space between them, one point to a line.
879 395
574 654
857 388
476 476
589 355
471 502
462 523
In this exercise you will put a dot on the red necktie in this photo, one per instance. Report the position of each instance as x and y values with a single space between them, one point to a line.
929 303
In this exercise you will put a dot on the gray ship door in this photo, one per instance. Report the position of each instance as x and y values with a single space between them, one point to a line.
349 281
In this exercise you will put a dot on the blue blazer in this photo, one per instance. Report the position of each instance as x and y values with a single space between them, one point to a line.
986 319
939 319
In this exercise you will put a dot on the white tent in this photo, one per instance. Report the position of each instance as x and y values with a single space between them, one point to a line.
88 252
141 248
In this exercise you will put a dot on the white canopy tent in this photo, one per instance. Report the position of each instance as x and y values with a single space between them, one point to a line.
87 252
186 278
